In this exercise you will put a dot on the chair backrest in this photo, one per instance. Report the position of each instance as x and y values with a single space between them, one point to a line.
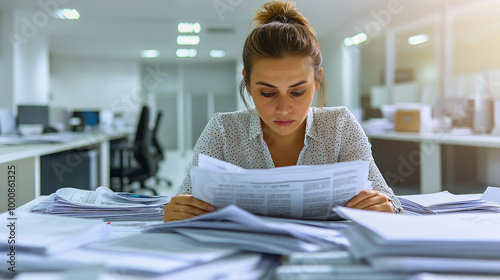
156 141
144 152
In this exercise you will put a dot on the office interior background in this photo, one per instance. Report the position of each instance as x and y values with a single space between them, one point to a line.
94 63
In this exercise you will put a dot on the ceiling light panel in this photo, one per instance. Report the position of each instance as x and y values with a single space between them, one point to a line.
66 14
186 27
150 53
185 52
188 40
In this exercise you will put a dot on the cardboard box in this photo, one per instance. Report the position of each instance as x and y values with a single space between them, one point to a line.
407 120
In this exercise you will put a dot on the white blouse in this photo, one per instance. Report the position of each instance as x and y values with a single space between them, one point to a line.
332 135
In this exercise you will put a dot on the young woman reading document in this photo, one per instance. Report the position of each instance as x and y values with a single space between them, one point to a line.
282 74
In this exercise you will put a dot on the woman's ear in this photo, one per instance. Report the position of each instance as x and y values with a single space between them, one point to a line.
321 78
245 78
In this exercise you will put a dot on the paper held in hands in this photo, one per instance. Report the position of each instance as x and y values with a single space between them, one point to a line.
300 191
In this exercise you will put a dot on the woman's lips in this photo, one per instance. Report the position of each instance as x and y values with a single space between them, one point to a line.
284 122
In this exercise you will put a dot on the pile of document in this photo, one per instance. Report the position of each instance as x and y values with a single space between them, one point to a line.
235 228
459 243
66 247
47 235
301 192
103 203
445 203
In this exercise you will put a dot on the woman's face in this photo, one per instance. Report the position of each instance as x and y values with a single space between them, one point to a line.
282 90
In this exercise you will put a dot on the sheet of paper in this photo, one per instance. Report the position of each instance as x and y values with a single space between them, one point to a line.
103 203
492 194
248 241
452 276
117 261
241 224
240 266
437 198
49 234
166 245
482 227
307 192
432 264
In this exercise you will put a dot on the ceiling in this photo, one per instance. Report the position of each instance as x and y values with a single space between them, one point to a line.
122 28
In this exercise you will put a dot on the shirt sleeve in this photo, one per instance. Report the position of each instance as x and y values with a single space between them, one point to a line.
355 146
212 143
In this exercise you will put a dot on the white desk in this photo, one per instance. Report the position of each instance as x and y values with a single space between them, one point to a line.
430 154
26 159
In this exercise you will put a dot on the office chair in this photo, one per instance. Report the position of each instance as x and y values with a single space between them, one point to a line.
142 153
159 149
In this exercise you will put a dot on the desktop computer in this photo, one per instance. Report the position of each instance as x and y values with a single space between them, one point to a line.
31 119
84 120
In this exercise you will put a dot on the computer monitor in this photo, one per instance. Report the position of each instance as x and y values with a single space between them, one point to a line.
7 122
32 114
88 119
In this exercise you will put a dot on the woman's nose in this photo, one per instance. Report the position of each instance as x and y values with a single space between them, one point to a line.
283 106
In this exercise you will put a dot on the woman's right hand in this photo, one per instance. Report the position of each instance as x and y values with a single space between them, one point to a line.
184 207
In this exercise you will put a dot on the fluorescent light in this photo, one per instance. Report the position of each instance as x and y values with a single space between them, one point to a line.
355 40
418 39
186 52
150 53
217 53
348 42
186 27
66 14
358 39
188 40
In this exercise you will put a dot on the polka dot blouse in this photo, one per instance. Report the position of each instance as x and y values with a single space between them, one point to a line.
332 135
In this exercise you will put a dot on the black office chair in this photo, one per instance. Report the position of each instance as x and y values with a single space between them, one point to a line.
159 149
139 162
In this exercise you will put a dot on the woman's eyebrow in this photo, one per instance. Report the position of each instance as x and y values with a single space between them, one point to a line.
265 84
271 86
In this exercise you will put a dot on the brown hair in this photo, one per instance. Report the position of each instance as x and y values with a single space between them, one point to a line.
280 30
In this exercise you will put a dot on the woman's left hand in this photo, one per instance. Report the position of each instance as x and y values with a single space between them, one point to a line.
370 200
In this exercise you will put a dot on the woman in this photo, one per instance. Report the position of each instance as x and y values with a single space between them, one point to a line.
282 73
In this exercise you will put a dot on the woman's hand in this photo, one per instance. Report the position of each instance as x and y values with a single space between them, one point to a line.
370 200
184 207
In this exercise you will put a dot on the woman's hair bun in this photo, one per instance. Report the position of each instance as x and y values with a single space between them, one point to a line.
280 11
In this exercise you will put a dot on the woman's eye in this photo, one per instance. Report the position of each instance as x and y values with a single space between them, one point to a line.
267 94
298 93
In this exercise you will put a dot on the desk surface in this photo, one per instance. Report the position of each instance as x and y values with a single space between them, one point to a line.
479 140
15 152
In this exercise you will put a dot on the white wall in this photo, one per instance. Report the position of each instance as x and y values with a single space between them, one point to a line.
198 89
100 83
332 68
31 61
424 65
6 62
24 59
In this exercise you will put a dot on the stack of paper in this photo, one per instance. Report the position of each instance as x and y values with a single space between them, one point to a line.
47 235
302 192
445 202
103 203
232 227
436 243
